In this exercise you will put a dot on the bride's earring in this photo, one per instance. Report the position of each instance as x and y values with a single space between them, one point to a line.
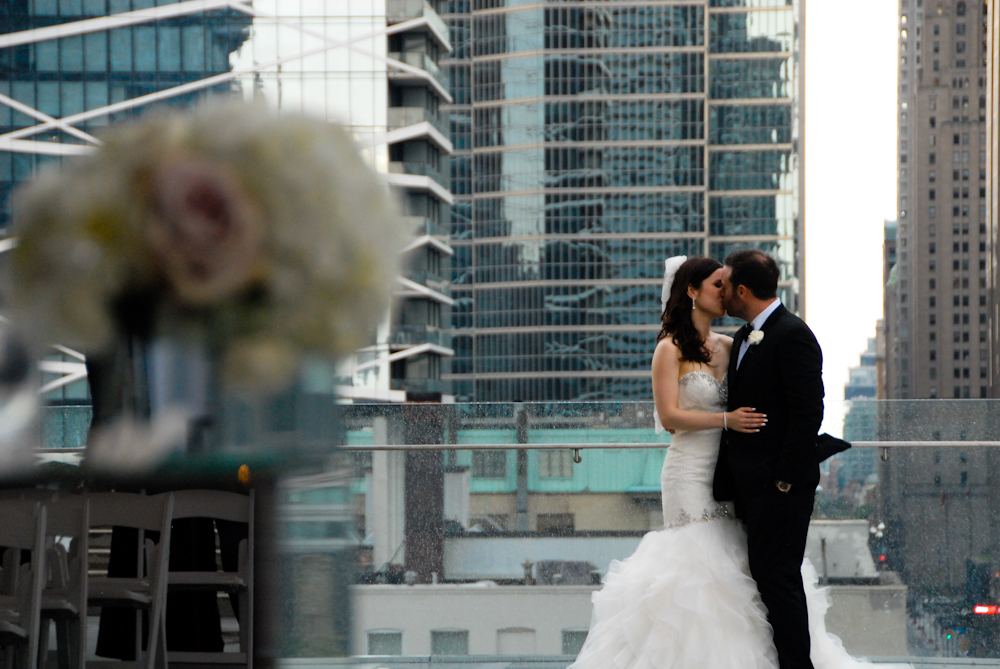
692 304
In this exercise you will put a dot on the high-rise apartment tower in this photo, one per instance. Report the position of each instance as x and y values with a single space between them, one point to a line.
593 140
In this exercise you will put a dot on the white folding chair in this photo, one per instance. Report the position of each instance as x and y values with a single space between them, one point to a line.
23 528
144 592
223 506
64 598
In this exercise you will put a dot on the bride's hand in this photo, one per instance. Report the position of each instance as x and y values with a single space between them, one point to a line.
745 420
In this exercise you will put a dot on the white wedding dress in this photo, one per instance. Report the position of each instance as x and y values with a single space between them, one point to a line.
685 598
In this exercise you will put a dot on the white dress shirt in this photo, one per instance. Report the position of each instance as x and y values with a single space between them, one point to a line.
757 323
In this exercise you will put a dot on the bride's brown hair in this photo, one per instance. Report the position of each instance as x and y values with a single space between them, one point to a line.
676 318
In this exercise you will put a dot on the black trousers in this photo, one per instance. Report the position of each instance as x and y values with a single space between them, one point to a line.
776 524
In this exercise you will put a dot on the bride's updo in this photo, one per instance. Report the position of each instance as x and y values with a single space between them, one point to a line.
676 318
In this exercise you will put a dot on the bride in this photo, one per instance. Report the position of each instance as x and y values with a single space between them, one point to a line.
685 598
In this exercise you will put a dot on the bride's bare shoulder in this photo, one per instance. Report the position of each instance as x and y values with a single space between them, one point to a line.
724 340
666 349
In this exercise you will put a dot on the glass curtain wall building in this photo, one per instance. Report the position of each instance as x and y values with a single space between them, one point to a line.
593 140
69 67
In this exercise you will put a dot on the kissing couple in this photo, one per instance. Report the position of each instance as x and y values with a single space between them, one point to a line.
723 585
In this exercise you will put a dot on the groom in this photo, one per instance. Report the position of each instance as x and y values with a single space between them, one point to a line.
772 475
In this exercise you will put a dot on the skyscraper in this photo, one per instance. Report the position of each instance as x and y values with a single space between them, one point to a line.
938 314
68 67
944 247
592 142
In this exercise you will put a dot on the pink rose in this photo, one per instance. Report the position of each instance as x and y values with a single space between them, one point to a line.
205 230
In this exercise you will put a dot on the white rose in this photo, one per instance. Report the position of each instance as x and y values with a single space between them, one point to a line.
755 337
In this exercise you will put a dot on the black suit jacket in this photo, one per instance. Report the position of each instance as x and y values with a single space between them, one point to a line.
782 377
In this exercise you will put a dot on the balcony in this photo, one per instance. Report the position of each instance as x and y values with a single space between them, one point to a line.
420 60
398 11
421 225
411 335
422 169
402 117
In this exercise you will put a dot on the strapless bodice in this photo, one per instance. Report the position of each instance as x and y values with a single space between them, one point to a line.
689 466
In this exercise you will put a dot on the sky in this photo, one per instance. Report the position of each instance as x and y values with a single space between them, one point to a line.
850 168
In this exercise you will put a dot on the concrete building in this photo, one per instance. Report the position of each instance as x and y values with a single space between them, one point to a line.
993 167
395 110
944 247
939 325
868 611
592 142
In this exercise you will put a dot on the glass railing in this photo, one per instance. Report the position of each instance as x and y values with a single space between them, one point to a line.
485 528
471 533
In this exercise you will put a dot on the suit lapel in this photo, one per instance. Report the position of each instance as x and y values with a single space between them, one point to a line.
734 355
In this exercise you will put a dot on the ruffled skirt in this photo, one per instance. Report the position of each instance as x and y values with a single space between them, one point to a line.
686 599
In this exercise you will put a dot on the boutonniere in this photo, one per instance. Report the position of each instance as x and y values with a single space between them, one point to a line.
755 337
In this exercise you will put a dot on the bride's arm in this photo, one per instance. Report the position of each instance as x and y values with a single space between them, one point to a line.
666 389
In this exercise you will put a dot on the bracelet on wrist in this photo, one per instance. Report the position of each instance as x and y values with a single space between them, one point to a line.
725 421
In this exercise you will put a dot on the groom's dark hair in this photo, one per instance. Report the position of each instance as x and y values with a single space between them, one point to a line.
756 270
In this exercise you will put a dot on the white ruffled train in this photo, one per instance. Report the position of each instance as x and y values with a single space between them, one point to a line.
685 599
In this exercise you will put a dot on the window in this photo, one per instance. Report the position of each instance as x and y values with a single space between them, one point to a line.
960 9
933 284
932 158
931 194
516 641
449 642
489 464
933 319
933 122
933 247
932 176
959 28
385 642
956 137
572 641
982 372
933 354
555 464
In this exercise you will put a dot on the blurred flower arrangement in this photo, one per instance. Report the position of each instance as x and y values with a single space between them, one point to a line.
266 238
